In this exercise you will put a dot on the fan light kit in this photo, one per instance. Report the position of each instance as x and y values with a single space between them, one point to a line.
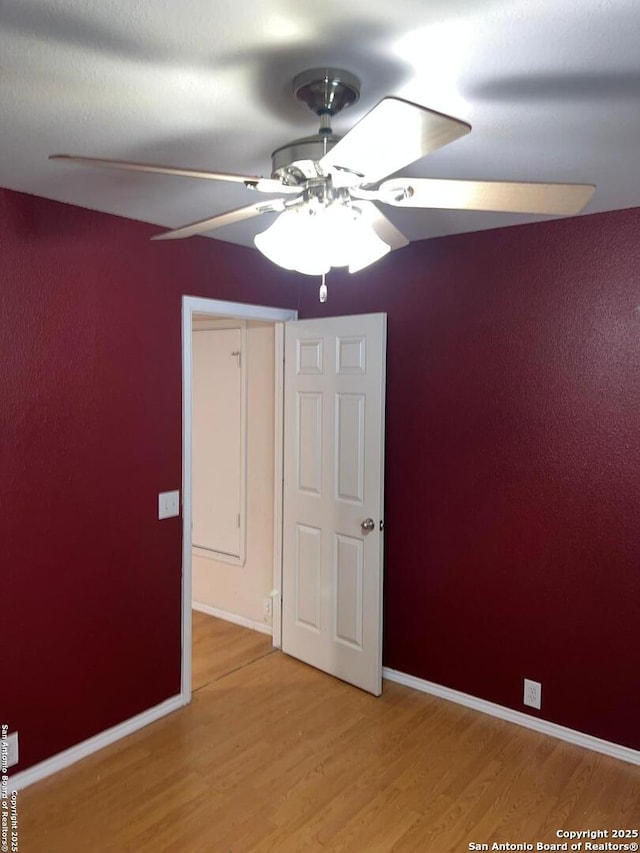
329 186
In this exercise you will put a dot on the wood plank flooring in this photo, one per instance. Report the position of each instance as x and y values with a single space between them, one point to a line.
219 647
275 756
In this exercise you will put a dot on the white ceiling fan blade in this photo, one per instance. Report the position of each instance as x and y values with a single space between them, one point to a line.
392 135
221 219
266 185
384 228
500 196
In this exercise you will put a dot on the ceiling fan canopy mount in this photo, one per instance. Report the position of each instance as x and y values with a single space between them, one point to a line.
326 91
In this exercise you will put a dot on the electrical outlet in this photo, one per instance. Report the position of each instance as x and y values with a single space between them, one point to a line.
532 693
168 504
11 755
267 606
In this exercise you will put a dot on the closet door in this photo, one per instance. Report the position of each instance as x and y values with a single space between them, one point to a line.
218 441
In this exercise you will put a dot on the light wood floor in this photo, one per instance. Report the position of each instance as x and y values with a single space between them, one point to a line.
219 647
275 756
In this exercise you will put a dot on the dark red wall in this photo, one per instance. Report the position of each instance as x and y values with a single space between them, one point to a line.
90 432
513 463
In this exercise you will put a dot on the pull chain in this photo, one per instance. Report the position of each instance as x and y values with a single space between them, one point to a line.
323 290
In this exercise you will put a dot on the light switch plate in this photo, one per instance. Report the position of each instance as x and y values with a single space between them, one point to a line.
168 504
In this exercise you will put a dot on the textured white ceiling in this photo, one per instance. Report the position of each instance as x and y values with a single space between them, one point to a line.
550 87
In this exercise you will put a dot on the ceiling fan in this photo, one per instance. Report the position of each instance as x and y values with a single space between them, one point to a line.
329 186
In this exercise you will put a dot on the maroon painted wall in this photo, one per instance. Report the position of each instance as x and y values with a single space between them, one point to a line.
90 432
513 463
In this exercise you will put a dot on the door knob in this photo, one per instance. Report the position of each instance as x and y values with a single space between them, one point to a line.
368 525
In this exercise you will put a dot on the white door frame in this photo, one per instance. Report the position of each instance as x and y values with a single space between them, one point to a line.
196 305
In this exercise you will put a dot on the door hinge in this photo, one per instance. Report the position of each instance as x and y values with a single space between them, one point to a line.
238 520
237 354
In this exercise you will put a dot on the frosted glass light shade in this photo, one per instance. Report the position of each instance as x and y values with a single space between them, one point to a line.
312 241
289 243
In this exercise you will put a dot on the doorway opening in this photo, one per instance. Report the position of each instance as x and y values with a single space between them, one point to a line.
203 314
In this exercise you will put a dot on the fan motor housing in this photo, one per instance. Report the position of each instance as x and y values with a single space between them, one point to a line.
297 161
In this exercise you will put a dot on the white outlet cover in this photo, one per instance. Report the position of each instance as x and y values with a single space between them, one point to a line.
168 504
532 694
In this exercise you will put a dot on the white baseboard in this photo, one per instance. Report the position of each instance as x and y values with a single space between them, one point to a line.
81 750
623 753
93 744
232 617
64 759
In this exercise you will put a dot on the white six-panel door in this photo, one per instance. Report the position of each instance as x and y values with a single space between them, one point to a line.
333 492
